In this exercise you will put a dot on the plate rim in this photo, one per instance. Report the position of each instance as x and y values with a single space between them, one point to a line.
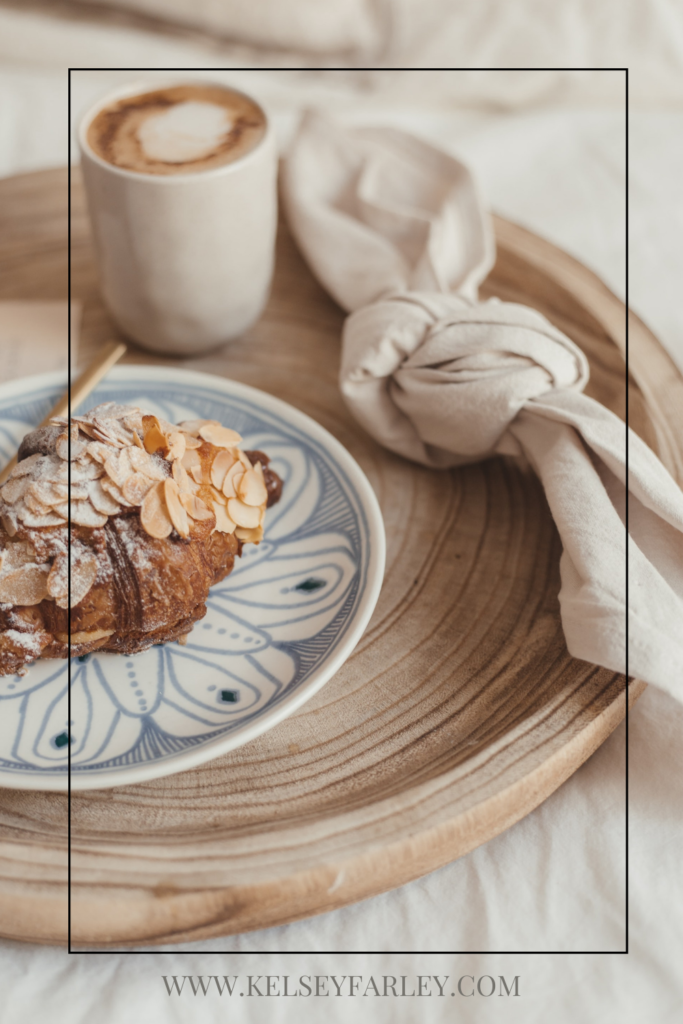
187 759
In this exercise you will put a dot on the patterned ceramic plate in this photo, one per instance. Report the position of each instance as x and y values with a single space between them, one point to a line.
277 628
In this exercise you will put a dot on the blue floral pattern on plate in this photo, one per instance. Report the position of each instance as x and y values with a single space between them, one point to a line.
276 629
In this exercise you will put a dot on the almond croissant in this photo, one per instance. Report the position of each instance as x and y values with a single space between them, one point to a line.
158 514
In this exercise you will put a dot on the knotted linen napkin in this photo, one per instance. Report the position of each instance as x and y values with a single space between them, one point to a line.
395 231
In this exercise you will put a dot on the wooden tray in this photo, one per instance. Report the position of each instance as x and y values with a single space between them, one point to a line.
460 710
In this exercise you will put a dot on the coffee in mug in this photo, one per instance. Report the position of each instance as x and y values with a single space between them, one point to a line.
180 130
181 189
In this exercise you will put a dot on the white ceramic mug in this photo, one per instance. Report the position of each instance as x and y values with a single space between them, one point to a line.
185 260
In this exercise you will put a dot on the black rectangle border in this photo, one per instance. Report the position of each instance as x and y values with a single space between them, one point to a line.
495 952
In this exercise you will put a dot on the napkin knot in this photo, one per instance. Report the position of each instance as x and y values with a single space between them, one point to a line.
439 378
394 229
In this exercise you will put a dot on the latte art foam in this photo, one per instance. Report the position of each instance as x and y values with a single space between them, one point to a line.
188 131
179 130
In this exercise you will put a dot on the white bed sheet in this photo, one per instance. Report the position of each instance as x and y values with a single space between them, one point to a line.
556 880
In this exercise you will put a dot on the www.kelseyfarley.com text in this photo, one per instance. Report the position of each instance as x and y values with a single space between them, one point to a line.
359 985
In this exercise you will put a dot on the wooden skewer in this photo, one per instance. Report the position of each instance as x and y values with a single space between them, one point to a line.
86 383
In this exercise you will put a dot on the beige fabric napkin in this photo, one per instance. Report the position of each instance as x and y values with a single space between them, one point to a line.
394 229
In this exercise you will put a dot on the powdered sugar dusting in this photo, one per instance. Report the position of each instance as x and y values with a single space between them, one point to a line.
29 642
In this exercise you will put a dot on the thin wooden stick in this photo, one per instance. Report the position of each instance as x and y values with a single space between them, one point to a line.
86 383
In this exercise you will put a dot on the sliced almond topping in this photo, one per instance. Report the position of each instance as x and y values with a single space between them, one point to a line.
195 507
232 480
58 581
133 420
222 462
224 523
191 442
254 536
25 586
33 502
113 491
185 485
155 439
221 437
62 446
15 488
154 471
118 466
113 431
26 466
34 521
175 509
154 515
87 427
135 488
136 440
18 510
101 500
60 492
243 459
10 523
193 464
190 458
244 515
151 467
53 470
78 446
192 427
79 491
176 445
83 514
110 439
142 462
83 575
98 451
85 469
126 466
40 499
15 555
218 496
252 487
139 459
111 467
48 494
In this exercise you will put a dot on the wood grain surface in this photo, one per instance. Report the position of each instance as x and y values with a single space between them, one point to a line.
458 713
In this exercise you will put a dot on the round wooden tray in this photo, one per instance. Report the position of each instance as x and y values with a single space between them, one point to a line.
458 713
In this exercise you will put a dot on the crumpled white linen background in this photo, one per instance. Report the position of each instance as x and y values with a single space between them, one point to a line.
555 882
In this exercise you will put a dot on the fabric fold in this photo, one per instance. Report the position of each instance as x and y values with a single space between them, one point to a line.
395 231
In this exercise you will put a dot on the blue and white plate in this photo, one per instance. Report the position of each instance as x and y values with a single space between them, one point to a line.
277 628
